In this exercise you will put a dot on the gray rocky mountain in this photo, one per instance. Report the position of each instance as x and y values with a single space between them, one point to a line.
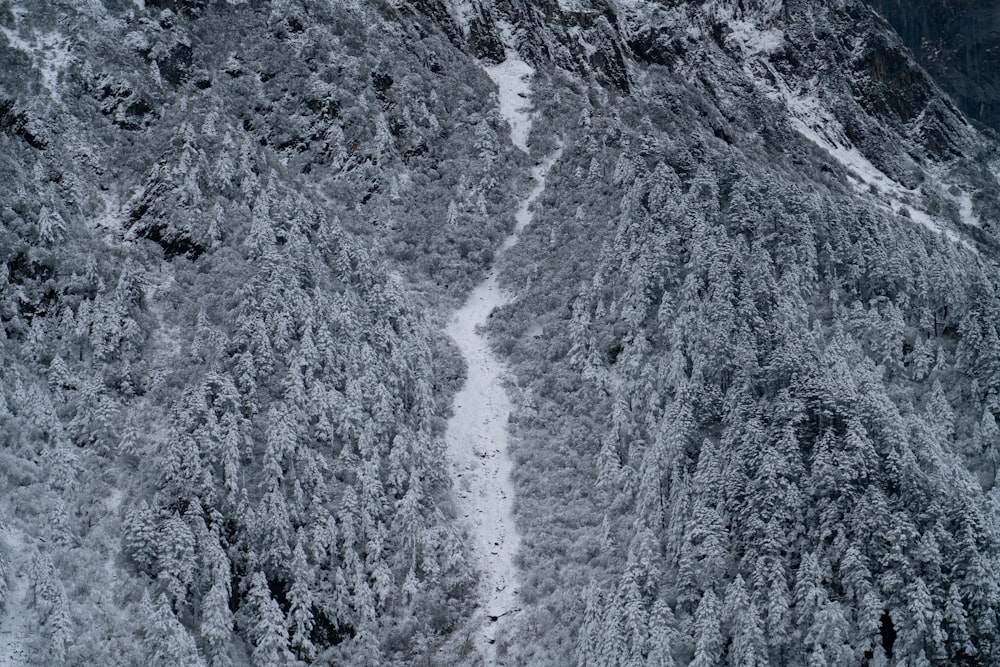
958 43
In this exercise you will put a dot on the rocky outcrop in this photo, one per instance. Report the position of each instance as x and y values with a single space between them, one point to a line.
958 43
16 123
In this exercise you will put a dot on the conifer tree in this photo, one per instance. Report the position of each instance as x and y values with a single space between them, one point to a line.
265 625
175 558
167 641
300 598
216 617
661 636
588 644
707 632
53 609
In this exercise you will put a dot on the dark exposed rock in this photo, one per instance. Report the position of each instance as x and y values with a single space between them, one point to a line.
936 130
382 82
483 38
147 223
958 42
15 123
189 7
326 108
176 65
438 13
36 295
173 245
656 46
587 42
138 109
126 109
891 82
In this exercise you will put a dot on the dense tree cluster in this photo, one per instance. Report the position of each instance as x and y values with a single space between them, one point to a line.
221 403
797 460
782 459
300 468
756 406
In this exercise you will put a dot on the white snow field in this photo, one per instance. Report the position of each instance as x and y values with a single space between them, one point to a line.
476 436
513 80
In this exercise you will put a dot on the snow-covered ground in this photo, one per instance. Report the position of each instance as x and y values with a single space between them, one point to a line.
112 218
477 444
513 79
51 53
964 201
15 619
812 120
476 436
114 503
753 40
462 11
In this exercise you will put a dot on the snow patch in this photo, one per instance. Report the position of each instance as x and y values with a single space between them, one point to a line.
965 210
462 11
114 504
112 218
50 52
812 120
476 439
535 331
581 38
513 80
115 500
753 40
168 335
524 215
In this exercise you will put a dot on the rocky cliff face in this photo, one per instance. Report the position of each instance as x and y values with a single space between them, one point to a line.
959 44
835 67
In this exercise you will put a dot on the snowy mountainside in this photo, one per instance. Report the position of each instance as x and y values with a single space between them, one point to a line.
750 348
753 196
202 317
834 66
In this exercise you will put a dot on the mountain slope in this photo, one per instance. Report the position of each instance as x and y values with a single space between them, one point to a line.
751 338
198 316
774 226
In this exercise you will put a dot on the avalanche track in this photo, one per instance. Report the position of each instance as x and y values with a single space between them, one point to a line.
476 436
